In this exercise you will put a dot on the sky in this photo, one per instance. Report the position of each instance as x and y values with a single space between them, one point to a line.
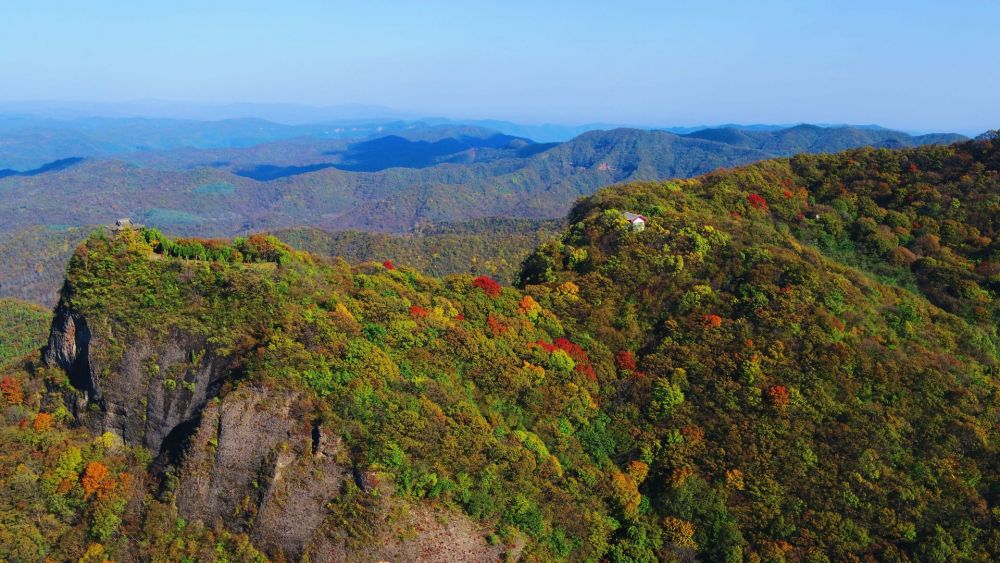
915 65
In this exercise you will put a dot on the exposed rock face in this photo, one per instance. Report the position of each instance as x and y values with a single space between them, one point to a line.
68 347
252 466
152 396
417 533
251 460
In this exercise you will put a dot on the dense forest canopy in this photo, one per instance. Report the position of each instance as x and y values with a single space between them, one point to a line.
795 360
799 386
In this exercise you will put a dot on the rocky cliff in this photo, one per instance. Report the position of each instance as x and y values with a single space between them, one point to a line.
152 393
242 456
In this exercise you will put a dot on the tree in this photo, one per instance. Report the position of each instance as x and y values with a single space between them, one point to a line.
43 422
10 388
626 361
94 477
757 201
488 286
666 396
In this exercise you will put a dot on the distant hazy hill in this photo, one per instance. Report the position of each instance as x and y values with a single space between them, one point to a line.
31 136
29 142
493 246
811 138
393 182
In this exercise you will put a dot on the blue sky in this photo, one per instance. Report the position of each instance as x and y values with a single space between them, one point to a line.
916 65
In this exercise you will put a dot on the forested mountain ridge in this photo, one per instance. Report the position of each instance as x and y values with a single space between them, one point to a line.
398 181
774 392
33 261
925 219
765 372
391 183
814 139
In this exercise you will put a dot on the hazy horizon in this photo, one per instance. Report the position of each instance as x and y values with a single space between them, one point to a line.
305 114
914 66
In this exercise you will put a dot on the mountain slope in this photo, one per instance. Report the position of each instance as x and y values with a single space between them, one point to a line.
787 406
366 374
33 262
711 387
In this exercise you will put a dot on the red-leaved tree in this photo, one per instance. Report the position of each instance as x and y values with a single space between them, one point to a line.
757 201
488 286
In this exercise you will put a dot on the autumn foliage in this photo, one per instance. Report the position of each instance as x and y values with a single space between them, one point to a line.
10 388
679 532
43 422
638 470
626 360
529 307
626 493
531 415
757 201
574 351
488 286
778 394
497 327
94 477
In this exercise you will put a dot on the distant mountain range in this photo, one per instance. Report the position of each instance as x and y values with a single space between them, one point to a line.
34 134
388 182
